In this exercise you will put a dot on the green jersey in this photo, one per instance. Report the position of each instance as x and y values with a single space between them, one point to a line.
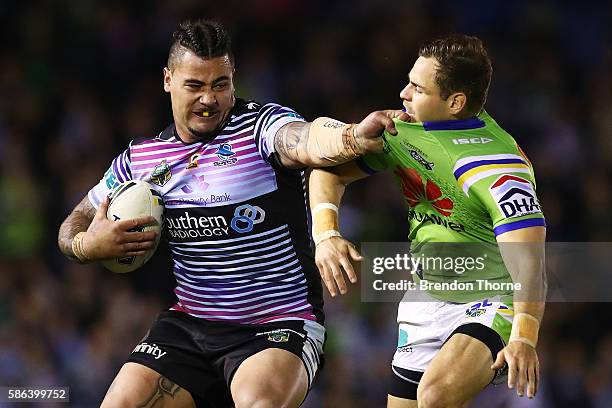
464 181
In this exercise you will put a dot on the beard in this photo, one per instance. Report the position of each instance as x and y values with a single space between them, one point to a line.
205 136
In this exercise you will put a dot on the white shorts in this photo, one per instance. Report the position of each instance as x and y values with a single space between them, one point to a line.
424 327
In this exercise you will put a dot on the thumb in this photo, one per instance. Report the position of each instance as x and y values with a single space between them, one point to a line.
354 253
499 361
103 208
390 127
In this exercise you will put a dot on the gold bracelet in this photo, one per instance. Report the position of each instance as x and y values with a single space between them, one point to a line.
77 247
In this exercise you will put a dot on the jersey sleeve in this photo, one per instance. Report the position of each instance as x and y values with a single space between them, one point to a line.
505 185
270 119
118 172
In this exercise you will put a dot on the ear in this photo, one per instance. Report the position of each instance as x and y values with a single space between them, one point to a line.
456 102
167 79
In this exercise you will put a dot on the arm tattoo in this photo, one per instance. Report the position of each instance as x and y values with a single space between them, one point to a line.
77 221
290 143
164 388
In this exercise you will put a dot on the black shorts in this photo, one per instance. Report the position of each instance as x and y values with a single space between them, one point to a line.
202 356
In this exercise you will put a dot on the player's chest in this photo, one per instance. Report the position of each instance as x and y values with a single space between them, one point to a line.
207 175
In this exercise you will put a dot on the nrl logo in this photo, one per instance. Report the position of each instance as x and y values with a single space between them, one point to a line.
161 174
276 336
280 336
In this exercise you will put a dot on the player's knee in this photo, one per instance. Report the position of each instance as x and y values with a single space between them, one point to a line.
436 396
251 398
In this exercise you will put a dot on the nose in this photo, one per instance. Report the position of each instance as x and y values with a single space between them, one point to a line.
208 98
406 93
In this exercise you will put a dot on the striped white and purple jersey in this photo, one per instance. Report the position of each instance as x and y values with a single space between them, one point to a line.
235 220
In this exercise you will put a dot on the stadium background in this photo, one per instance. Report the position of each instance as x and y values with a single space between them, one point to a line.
79 79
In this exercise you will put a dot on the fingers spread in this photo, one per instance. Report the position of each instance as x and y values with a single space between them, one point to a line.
355 255
348 269
522 380
511 373
499 361
531 382
338 278
325 274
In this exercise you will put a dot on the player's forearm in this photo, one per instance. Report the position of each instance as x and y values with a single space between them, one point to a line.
528 269
535 309
78 221
325 187
326 190
523 252
322 143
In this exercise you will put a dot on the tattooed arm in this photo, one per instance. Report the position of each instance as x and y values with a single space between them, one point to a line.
328 142
78 221
102 238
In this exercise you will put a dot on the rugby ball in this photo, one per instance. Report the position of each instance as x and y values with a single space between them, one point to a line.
132 199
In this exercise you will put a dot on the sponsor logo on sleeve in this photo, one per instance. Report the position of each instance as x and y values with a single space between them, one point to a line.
110 179
515 196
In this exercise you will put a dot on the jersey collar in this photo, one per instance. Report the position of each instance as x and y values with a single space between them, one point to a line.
459 124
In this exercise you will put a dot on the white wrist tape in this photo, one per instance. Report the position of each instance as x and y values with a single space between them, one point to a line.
525 329
325 235
332 141
323 206
324 218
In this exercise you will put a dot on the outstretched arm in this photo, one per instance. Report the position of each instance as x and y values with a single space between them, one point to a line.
333 253
328 142
523 254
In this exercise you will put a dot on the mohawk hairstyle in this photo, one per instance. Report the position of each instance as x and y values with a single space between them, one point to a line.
205 38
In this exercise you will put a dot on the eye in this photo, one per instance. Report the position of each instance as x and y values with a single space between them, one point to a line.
192 86
220 86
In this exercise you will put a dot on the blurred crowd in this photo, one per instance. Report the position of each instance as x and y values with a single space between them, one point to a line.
79 79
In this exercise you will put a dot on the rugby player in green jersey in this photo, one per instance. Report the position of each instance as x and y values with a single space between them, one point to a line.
465 180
